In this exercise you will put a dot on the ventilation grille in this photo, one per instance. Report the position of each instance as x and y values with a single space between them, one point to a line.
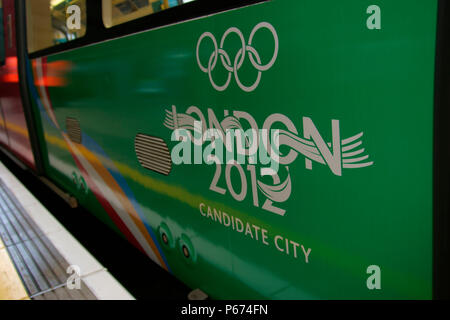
73 130
153 154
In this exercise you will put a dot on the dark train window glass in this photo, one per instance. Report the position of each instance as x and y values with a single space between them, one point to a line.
2 38
52 22
120 11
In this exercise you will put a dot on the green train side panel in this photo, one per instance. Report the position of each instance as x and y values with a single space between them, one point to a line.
57 162
330 73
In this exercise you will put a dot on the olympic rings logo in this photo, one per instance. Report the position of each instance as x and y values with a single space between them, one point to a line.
253 55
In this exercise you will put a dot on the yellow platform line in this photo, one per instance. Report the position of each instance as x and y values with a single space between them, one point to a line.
11 286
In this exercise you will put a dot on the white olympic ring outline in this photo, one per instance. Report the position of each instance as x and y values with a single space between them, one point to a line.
240 56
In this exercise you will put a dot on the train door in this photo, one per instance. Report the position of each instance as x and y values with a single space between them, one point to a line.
3 133
13 127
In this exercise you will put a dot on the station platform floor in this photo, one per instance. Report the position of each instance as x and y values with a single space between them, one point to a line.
40 259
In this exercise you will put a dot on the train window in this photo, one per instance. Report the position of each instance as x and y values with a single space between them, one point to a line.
52 22
120 11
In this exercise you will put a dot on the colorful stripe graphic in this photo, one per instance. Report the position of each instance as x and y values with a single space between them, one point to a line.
107 184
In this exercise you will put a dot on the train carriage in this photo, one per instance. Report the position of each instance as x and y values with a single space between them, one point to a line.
120 105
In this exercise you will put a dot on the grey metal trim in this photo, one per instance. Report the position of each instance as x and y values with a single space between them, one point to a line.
153 153
74 130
